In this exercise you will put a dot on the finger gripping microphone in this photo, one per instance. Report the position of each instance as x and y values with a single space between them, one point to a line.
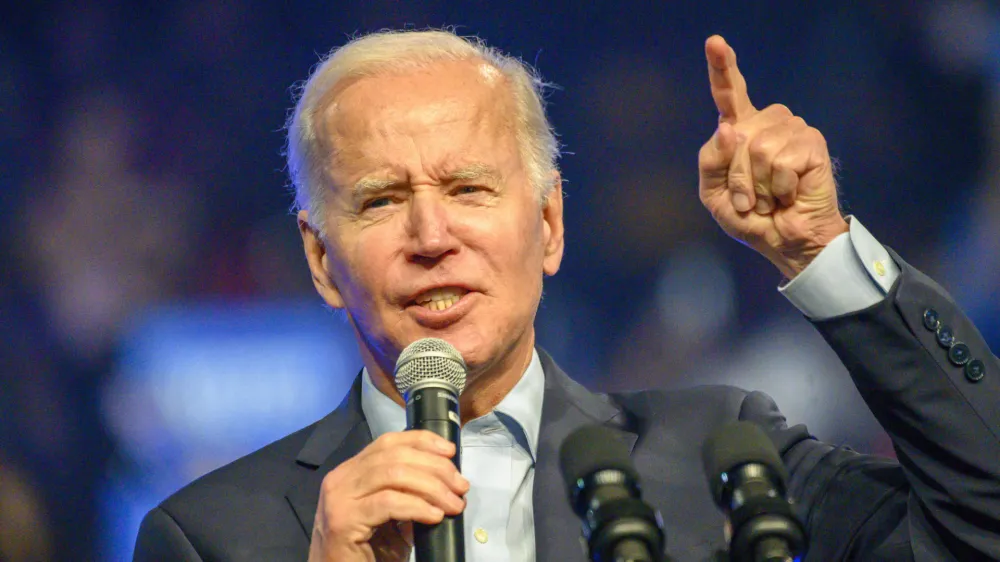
430 374
604 491
747 480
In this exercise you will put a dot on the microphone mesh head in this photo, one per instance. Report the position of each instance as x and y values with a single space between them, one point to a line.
429 359
592 448
734 445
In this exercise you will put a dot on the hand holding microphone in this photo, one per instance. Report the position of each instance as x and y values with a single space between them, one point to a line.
430 374
366 503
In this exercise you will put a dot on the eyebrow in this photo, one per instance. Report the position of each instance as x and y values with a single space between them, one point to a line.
367 186
475 172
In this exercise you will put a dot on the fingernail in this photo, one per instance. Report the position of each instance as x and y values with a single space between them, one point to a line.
762 207
460 480
445 446
741 202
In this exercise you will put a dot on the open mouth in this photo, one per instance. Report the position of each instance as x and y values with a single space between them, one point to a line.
441 298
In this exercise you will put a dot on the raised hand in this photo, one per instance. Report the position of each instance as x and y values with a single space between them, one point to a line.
765 175
368 503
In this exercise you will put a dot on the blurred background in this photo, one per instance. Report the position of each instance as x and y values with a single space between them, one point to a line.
156 313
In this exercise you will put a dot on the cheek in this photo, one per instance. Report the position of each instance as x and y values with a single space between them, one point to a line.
511 244
362 268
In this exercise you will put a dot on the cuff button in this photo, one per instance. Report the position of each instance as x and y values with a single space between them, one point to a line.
959 354
931 320
975 370
945 336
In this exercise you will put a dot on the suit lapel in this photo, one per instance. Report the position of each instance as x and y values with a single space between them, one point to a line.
566 406
336 438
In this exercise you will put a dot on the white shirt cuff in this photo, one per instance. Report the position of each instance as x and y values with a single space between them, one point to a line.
852 273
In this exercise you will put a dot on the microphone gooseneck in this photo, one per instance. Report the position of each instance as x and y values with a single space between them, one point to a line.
430 374
747 480
604 491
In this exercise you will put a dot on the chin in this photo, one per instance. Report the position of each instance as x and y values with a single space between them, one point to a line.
481 353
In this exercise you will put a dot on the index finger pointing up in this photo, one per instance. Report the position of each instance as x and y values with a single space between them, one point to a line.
729 89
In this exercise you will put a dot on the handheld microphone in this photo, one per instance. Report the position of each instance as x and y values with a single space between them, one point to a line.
747 479
604 491
430 374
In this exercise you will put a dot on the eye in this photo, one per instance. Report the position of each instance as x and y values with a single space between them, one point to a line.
377 202
467 189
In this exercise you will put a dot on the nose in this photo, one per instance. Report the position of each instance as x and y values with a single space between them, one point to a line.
429 236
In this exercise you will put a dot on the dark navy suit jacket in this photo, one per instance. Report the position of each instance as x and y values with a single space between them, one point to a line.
939 501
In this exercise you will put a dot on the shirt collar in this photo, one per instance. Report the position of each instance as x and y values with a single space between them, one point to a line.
520 410
383 414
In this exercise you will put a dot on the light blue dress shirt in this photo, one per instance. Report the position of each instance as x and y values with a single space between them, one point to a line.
852 273
498 459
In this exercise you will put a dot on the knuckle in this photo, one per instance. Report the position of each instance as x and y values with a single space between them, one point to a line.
443 469
760 142
399 455
336 519
390 439
332 479
780 166
816 135
384 502
763 145
388 501
797 122
430 438
780 109
783 161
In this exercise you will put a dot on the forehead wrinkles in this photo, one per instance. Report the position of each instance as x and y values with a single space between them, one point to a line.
361 109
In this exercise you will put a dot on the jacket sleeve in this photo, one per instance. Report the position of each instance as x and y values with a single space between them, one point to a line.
162 540
940 404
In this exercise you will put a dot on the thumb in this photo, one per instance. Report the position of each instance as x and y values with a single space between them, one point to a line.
739 178
715 158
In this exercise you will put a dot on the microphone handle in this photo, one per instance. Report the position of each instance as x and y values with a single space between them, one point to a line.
631 550
773 549
426 408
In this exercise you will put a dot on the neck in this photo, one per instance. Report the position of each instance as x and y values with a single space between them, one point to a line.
485 387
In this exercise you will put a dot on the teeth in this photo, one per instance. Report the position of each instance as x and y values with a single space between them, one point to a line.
440 299
440 304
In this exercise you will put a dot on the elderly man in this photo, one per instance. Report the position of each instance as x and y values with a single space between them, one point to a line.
431 206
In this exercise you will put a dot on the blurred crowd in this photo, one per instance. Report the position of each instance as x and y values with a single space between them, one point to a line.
140 164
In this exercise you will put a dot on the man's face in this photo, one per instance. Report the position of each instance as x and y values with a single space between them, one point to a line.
432 226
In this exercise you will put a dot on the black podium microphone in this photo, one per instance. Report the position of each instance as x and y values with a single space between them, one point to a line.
604 491
747 479
430 374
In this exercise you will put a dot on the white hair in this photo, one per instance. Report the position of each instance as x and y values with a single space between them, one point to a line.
400 51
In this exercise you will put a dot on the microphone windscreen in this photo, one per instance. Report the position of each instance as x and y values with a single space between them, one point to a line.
429 359
592 448
735 444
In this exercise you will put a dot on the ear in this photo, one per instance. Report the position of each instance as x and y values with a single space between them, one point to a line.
552 216
319 262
